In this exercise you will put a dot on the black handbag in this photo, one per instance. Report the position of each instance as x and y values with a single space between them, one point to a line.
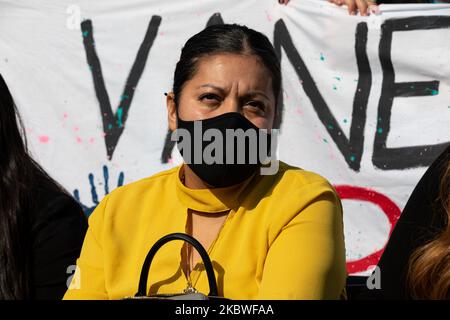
192 294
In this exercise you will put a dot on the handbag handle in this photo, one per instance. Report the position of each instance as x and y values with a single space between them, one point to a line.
142 289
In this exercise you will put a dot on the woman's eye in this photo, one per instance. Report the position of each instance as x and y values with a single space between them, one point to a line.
257 104
208 98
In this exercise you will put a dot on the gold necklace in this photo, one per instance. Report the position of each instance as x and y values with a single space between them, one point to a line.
189 261
189 288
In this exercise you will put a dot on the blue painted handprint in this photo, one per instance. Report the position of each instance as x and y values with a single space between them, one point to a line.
88 210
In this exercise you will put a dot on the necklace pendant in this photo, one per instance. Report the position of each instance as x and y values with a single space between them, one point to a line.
189 288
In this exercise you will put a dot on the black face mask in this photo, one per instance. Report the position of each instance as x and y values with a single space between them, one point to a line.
233 161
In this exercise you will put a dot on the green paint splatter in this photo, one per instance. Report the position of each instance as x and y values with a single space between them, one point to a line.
325 140
123 97
334 87
85 33
380 130
119 117
345 120
109 126
433 91
322 58
352 158
330 126
338 78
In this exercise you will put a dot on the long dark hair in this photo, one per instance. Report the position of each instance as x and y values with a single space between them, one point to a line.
228 38
20 177
428 274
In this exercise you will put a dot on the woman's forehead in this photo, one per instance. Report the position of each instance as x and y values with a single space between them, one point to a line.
225 70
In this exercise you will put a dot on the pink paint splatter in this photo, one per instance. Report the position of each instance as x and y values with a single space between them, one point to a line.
91 140
170 160
319 137
76 129
162 33
268 16
65 116
44 139
79 140
299 111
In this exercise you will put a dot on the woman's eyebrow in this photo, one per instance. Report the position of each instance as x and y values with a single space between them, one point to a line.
251 93
210 85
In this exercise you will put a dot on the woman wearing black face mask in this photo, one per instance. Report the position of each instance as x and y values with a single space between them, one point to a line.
41 226
273 231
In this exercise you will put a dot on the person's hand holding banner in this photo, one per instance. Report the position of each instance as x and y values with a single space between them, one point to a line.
363 6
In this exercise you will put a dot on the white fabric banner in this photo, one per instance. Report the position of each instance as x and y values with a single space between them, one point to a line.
366 100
